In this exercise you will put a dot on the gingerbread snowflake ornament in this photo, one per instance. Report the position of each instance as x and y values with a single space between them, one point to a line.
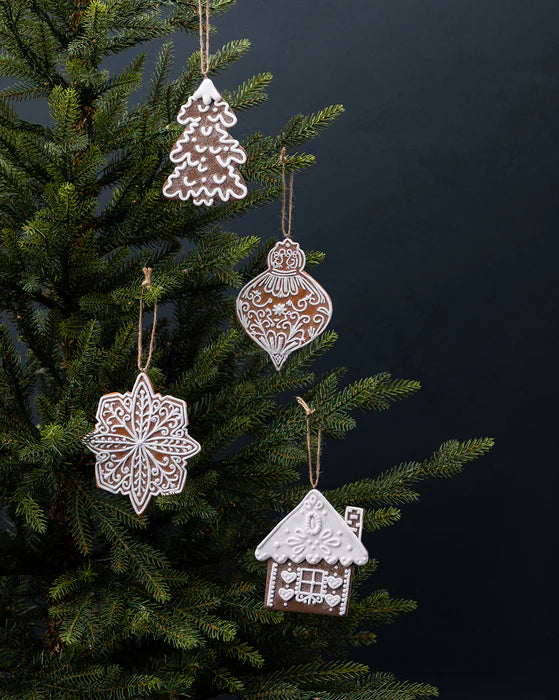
284 308
206 157
311 555
142 444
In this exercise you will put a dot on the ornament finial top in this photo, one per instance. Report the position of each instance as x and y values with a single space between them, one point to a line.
286 257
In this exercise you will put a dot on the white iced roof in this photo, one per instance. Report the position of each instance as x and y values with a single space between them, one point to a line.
314 530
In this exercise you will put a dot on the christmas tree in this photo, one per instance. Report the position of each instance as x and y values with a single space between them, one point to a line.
96 601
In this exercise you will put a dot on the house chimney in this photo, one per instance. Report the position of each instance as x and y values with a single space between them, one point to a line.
354 519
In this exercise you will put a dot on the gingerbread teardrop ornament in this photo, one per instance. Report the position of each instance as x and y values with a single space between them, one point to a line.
284 308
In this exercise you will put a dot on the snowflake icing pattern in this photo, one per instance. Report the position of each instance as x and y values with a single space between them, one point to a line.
142 444
313 538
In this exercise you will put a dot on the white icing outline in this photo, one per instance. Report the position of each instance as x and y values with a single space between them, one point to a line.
272 585
345 591
354 518
335 599
337 582
286 593
311 597
288 577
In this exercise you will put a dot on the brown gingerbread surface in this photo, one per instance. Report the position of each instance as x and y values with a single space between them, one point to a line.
321 588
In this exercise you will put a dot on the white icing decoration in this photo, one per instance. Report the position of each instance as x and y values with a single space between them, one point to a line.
284 308
142 443
206 92
345 591
272 585
335 582
290 576
332 600
328 545
311 586
286 593
354 518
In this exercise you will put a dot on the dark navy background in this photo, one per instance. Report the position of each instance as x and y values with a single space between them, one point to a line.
435 198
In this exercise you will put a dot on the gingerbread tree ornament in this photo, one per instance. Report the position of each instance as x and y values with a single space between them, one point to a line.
206 156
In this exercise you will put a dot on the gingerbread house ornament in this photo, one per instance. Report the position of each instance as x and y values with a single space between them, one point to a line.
311 555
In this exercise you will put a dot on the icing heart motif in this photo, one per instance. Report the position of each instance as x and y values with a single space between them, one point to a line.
287 594
331 600
284 308
290 576
335 582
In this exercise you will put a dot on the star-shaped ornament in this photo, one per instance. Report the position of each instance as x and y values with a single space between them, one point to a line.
142 444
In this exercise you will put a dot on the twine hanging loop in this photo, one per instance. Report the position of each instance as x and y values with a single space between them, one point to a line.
314 469
146 284
204 38
286 206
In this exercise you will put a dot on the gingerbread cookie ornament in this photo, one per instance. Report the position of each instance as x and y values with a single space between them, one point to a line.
284 308
140 440
142 444
206 157
312 552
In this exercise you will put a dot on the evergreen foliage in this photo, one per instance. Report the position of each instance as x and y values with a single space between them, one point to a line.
96 602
